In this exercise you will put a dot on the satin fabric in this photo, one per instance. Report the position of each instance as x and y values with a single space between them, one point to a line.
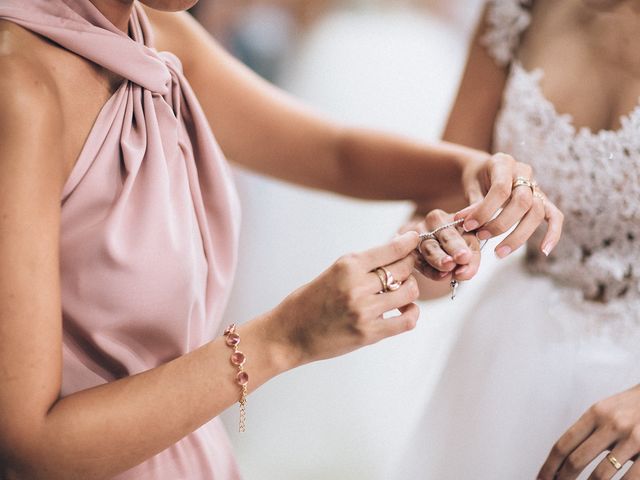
149 227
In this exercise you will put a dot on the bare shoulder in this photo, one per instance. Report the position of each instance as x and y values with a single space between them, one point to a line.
30 112
27 89
180 34
22 62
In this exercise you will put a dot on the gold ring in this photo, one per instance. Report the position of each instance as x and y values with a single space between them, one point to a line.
614 461
525 182
383 279
392 284
389 284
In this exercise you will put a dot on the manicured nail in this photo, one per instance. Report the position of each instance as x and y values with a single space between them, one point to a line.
461 253
443 274
547 249
483 235
447 261
461 270
470 225
503 251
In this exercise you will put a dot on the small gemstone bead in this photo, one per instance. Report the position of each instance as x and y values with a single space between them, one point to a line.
238 358
233 339
231 328
242 378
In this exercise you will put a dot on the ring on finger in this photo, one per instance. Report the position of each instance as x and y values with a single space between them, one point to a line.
614 461
525 182
432 234
383 279
389 284
392 283
423 238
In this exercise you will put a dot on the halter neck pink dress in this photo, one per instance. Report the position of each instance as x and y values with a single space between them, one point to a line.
149 228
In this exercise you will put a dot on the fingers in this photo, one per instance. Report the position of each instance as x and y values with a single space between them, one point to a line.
451 252
527 226
407 320
566 444
468 271
474 192
427 270
435 256
450 241
633 473
400 271
501 174
397 249
622 453
519 204
555 220
584 454
406 294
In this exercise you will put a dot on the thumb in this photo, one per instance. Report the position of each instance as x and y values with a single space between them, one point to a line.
465 212
474 192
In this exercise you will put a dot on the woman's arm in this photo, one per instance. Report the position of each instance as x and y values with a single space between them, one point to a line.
264 129
100 432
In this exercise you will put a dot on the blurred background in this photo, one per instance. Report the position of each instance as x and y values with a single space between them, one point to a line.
387 64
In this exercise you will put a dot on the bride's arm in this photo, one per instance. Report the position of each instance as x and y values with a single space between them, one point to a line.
264 129
470 123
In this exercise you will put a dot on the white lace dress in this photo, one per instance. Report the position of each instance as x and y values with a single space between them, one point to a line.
550 336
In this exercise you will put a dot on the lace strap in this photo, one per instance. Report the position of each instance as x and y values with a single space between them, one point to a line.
506 21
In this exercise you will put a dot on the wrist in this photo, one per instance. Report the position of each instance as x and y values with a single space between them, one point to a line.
466 157
276 354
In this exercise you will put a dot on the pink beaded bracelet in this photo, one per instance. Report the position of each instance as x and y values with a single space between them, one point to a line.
242 377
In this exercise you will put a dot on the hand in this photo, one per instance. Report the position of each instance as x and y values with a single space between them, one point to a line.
488 184
612 424
341 310
455 253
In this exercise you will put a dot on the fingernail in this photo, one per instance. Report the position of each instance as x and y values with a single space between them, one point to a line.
443 274
483 235
503 251
447 262
466 210
461 270
460 253
547 249
471 225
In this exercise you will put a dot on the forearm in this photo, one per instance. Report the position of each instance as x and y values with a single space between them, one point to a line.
100 432
385 167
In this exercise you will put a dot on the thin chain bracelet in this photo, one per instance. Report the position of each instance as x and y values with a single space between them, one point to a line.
242 378
454 284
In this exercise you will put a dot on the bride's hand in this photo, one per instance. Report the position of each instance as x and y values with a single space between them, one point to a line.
489 186
611 424
453 254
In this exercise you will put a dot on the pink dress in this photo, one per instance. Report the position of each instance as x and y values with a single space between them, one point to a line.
149 228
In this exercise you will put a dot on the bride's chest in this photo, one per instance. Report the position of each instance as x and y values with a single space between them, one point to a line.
587 52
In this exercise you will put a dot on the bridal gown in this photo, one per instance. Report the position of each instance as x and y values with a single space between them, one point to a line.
536 353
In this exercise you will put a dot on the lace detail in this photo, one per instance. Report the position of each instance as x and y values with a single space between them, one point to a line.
506 21
594 178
